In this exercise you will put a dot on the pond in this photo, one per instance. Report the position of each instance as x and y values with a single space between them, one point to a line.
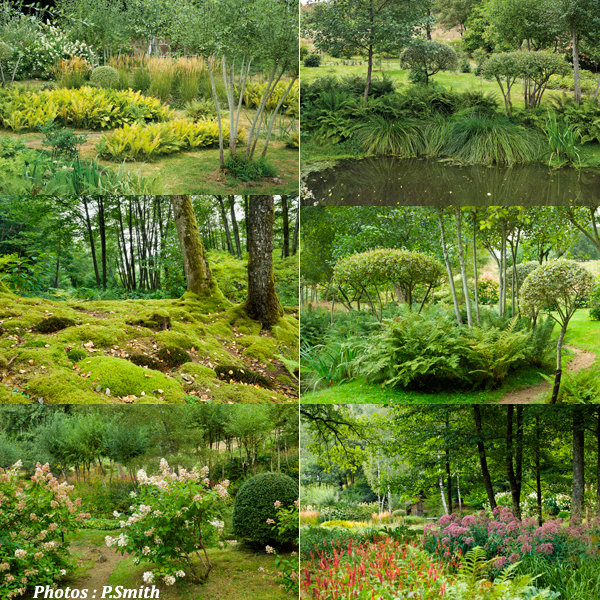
388 181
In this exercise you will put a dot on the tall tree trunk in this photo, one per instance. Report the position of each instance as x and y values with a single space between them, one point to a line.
262 304
447 461
577 500
463 268
296 231
88 223
510 473
485 473
538 470
234 225
102 228
197 272
476 290
558 375
369 73
598 461
449 267
225 225
286 226
576 72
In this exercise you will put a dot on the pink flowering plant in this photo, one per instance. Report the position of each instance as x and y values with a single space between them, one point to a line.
176 516
35 517
507 539
287 568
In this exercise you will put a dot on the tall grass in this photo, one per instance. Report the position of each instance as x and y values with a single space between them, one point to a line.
562 140
477 138
163 73
397 137
72 73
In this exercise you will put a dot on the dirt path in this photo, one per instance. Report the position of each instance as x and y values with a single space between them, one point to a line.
104 561
583 360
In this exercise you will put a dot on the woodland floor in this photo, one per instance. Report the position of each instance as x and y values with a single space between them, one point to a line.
235 574
35 367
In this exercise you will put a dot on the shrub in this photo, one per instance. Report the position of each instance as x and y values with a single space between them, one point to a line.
36 517
249 170
428 57
319 495
175 516
140 140
488 290
105 77
253 93
257 502
594 303
54 324
173 357
350 512
312 60
199 110
380 135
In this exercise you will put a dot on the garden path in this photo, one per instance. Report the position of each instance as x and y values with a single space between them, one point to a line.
103 561
582 360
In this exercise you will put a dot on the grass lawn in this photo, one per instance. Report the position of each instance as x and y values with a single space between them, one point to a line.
235 574
584 333
460 82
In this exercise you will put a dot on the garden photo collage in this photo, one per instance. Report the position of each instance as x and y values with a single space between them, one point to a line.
300 299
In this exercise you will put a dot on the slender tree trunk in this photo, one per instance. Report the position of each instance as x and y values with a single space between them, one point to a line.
197 272
296 232
234 225
558 374
577 500
262 303
485 473
369 72
102 228
88 223
476 284
510 473
286 226
449 268
538 470
463 268
447 461
576 72
225 225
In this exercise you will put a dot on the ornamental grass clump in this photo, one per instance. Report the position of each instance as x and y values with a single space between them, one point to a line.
35 517
174 518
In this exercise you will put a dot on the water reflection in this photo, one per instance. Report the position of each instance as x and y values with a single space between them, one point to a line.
390 181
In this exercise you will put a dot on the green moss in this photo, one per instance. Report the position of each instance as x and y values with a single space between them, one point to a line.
35 344
287 331
141 360
7 397
260 347
174 339
286 380
172 356
77 354
103 336
123 378
49 357
62 387
54 324
198 370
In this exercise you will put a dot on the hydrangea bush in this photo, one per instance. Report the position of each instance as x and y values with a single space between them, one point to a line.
287 569
507 539
174 518
35 517
38 55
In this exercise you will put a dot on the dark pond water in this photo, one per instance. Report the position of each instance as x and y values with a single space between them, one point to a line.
390 181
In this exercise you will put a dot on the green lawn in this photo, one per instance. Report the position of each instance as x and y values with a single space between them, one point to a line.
459 82
584 333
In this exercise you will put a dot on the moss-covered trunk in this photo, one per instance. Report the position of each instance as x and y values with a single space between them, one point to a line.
262 303
197 272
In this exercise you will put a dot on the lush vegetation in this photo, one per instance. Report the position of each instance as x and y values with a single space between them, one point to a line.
222 81
426 301
462 503
470 82
106 471
102 302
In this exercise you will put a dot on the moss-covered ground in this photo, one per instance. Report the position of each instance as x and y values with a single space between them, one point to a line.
43 367
237 574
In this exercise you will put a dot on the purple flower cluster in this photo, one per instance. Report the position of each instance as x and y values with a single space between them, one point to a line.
509 539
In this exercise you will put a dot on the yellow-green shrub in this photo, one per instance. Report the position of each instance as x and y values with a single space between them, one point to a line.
344 524
84 108
253 93
149 140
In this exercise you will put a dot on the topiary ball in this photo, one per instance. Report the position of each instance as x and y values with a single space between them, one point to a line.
255 503
105 77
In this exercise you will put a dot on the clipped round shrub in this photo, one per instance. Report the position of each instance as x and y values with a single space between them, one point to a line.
54 324
105 77
172 356
398 513
256 501
312 60
76 354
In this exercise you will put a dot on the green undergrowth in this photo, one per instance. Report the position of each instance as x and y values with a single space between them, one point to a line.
89 362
